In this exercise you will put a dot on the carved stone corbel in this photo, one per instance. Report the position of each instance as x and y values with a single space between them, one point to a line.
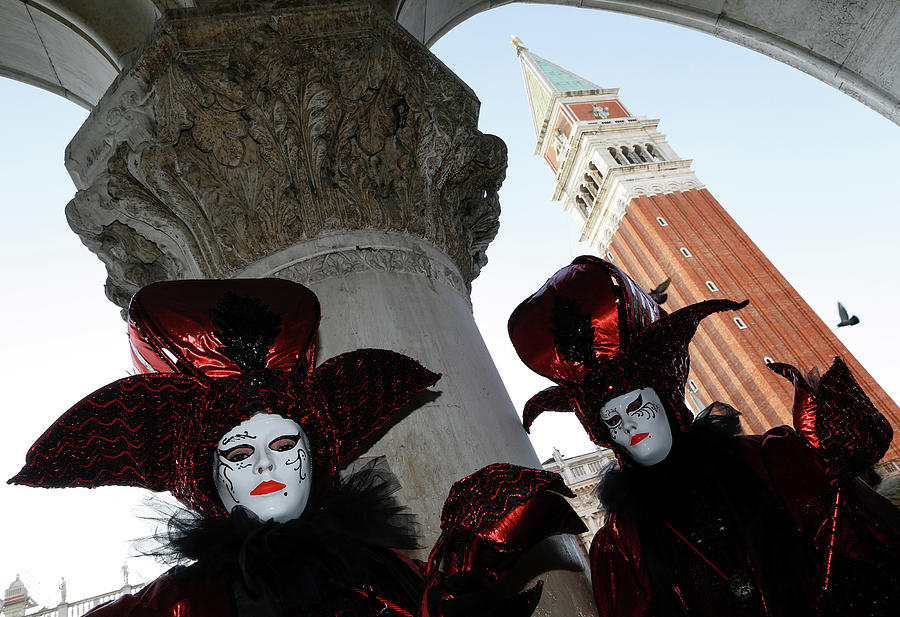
240 132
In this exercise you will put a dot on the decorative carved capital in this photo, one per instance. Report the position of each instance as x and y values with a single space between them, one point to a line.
238 133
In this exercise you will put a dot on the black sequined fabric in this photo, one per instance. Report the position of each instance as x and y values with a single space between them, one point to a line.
837 418
116 436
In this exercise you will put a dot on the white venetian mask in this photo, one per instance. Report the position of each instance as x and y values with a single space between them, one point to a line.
264 465
637 423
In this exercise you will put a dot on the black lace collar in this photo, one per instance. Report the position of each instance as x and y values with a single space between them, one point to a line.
341 539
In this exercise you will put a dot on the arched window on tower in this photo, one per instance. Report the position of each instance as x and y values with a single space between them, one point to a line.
629 155
654 152
641 154
582 205
591 182
617 156
595 172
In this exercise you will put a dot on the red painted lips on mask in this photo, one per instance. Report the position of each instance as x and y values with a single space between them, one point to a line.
639 438
269 486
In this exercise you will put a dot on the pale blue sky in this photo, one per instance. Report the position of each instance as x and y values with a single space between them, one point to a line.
808 172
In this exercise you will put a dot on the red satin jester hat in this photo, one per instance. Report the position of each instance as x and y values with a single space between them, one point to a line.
597 334
213 353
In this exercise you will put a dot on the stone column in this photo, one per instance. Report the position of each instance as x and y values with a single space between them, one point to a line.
325 145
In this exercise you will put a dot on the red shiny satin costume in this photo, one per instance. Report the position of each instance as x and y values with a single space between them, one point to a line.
761 525
215 353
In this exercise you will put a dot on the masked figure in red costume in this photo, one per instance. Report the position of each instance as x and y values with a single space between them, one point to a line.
231 415
703 521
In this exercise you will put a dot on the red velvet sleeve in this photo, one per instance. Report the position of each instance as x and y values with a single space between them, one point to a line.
621 587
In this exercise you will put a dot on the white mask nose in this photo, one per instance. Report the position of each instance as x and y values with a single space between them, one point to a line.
265 464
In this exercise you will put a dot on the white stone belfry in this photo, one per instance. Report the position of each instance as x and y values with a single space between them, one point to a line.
16 599
602 155
319 142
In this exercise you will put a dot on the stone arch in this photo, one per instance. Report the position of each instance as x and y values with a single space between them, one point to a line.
692 185
76 49
641 190
654 152
830 41
73 49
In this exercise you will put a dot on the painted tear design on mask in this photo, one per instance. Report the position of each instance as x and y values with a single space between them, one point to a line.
638 424
263 464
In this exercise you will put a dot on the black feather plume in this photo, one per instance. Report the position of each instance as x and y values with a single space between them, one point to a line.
572 332
247 329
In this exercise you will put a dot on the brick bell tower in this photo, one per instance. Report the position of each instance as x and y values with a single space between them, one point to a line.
642 207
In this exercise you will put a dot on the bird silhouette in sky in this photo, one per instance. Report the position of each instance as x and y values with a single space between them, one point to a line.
846 320
658 292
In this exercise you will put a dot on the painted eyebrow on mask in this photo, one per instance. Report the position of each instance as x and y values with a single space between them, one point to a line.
244 435
635 404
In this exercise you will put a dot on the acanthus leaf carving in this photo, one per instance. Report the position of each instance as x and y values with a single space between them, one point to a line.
316 122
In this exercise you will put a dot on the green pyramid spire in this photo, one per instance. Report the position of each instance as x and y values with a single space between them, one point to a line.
544 82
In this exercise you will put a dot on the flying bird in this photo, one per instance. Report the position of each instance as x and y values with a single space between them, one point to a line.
846 320
658 292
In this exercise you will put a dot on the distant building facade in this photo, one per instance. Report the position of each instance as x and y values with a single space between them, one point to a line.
16 600
18 603
582 474
641 206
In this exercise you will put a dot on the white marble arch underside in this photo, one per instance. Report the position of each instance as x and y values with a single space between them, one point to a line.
853 45
75 48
